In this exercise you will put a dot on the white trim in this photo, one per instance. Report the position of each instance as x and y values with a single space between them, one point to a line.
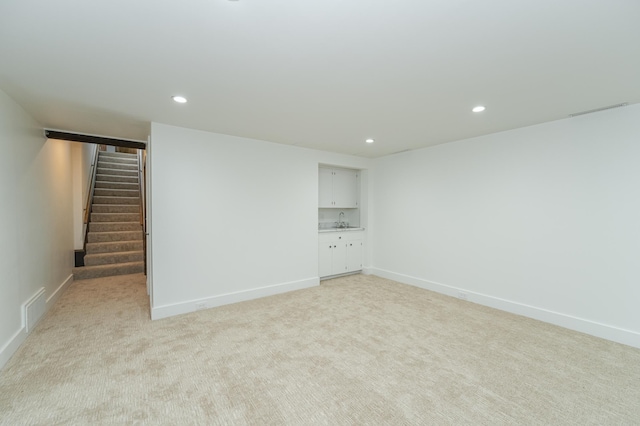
12 346
58 292
149 220
367 271
165 311
346 274
620 335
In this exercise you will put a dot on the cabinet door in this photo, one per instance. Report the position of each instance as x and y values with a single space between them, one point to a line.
354 256
325 187
325 253
345 188
339 258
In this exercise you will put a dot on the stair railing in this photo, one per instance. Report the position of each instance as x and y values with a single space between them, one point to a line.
89 203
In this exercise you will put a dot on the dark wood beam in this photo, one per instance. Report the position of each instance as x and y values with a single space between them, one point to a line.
98 140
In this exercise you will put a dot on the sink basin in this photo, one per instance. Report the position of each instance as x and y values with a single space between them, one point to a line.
344 228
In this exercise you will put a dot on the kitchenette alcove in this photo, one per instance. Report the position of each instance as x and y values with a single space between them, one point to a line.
341 236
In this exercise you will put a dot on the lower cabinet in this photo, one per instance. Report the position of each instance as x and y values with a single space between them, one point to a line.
354 256
340 253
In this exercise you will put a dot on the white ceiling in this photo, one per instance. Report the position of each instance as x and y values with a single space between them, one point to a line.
323 74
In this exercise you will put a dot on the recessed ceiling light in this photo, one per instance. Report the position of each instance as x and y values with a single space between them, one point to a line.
369 141
479 108
180 99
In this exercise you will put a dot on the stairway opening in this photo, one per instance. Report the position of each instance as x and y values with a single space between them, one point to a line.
114 216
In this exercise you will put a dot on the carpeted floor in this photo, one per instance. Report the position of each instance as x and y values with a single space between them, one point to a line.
356 350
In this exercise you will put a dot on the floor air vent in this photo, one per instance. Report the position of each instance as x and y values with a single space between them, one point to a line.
34 309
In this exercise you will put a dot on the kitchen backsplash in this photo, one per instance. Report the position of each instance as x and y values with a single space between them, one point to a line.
327 218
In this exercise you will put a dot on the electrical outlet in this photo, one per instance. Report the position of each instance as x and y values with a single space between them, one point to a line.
200 306
462 296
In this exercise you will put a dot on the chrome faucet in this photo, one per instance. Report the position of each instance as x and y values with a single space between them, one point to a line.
340 220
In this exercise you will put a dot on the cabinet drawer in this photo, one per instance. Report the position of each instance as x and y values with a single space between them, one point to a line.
326 237
354 236
340 236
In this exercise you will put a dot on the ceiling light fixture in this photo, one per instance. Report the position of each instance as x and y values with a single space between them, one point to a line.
369 141
479 108
180 99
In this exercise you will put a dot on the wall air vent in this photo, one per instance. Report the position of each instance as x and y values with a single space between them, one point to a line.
34 309
599 109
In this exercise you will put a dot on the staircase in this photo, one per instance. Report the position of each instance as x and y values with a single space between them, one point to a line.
114 241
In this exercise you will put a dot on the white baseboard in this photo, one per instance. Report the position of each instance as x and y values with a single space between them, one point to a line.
12 346
346 274
58 291
166 311
615 334
7 351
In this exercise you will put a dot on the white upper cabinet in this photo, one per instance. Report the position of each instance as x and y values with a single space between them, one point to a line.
325 190
345 188
337 188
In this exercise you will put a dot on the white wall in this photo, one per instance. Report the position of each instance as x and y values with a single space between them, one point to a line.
232 218
81 158
543 221
36 244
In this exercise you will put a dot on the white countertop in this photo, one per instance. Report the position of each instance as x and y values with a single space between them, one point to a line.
339 230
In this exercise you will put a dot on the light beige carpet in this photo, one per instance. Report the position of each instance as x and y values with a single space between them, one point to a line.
356 350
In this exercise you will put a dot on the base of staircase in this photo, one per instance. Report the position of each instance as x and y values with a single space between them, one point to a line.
99 271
